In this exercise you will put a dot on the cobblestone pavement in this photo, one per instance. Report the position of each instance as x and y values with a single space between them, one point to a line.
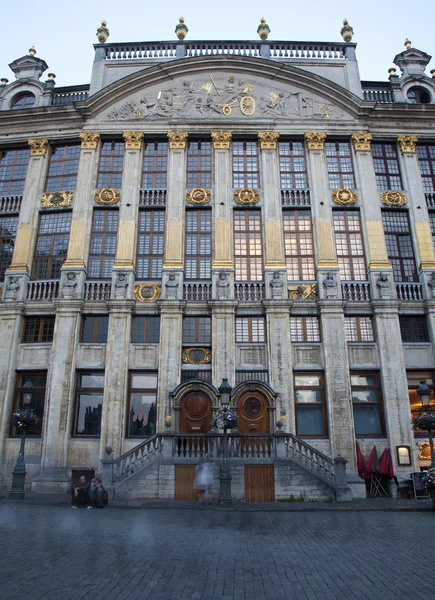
55 553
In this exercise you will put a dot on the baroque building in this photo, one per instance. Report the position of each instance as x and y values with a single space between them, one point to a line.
208 210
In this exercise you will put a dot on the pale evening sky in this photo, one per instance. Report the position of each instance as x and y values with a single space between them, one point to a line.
64 33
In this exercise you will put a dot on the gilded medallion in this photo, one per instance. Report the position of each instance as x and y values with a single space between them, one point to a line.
147 292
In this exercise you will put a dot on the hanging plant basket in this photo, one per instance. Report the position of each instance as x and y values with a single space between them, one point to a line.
224 419
424 422
24 420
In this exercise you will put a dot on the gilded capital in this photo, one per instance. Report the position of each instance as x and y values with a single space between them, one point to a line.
268 139
362 142
407 144
177 139
38 147
221 139
133 140
315 139
89 140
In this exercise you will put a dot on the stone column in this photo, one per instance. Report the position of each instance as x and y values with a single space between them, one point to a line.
418 212
59 404
371 216
21 265
274 267
171 327
113 418
337 379
223 338
223 262
321 215
280 360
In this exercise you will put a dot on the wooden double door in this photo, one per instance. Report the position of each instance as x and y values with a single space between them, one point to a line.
195 413
252 410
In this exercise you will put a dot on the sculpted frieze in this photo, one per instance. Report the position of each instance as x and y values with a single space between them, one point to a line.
222 95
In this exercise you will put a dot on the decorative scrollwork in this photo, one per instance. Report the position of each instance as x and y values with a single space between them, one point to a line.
133 140
221 139
38 147
56 199
196 356
147 292
344 197
107 196
198 196
246 196
89 140
393 198
177 139
362 142
268 139
315 140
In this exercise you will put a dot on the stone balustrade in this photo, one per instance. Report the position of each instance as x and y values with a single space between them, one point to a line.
10 204
249 292
357 291
430 199
152 197
295 197
97 290
197 292
42 290
409 291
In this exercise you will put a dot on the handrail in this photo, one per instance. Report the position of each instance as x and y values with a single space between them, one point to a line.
138 457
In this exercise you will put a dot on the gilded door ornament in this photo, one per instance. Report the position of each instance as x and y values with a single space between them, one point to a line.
38 147
344 197
268 139
307 291
246 196
221 139
198 196
89 140
133 140
147 292
362 142
407 144
315 139
425 451
393 198
196 356
177 139
107 196
56 199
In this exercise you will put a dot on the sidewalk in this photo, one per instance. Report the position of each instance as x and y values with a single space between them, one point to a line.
368 505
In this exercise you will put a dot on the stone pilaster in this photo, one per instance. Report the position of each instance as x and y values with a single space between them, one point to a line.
59 409
171 326
11 325
82 204
280 360
114 414
337 379
272 212
394 383
222 215
223 336
35 179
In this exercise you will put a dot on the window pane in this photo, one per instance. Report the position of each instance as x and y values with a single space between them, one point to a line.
310 420
142 417
309 396
92 380
144 380
89 408
367 420
307 380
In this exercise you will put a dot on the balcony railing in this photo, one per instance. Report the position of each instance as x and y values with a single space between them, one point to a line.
97 290
140 50
308 50
377 93
42 290
248 292
358 291
152 197
197 292
295 197
10 203
430 199
409 291
62 96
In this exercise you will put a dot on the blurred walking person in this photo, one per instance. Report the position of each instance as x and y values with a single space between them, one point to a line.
203 481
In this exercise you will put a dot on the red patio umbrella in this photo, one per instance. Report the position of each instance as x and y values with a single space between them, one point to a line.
386 464
361 463
373 463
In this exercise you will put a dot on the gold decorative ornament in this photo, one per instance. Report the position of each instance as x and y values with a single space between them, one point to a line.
147 292
407 144
346 31
56 199
425 451
177 139
393 198
392 71
133 139
198 196
246 196
362 142
221 139
302 292
38 147
32 51
102 32
247 106
107 196
89 140
268 139
263 29
196 356
181 29
345 197
407 44
315 139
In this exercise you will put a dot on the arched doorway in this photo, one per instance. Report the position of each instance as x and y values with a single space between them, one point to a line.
253 414
195 413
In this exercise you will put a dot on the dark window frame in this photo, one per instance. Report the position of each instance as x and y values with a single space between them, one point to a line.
426 162
197 331
246 229
245 164
40 328
387 166
322 388
300 264
155 165
89 391
304 330
414 399
110 167
97 324
358 329
23 100
404 263
414 329
379 403
198 236
103 259
349 238
251 331
132 390
199 164
292 156
63 170
338 155
49 264
8 233
20 390
15 160
144 328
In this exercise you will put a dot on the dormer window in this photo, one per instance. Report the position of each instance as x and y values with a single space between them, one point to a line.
23 100
418 95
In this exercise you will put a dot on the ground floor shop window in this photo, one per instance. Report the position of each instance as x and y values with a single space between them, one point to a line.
367 404
30 393
142 404
311 418
89 403
414 380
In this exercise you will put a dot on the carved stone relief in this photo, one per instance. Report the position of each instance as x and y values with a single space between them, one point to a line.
393 198
56 199
344 197
107 196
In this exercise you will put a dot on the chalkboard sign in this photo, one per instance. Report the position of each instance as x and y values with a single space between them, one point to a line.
419 489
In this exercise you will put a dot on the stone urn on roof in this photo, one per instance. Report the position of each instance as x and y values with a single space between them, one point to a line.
346 31
181 29
263 29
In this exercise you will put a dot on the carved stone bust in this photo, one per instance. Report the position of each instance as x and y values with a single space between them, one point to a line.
330 285
222 285
171 287
383 285
277 285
